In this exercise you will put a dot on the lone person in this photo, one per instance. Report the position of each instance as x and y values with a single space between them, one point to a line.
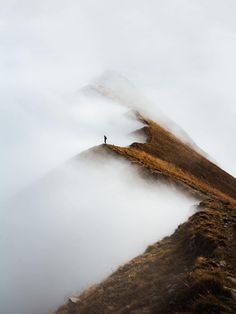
105 139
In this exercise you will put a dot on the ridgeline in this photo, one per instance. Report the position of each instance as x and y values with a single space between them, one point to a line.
191 271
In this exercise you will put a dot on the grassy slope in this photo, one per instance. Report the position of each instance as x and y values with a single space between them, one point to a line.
165 153
192 271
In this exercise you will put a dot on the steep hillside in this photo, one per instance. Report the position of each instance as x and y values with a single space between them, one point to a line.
163 152
193 270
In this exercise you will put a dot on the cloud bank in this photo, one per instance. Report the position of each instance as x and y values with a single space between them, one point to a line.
76 226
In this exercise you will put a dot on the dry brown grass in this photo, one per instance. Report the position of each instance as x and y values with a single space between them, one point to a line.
165 154
166 146
160 166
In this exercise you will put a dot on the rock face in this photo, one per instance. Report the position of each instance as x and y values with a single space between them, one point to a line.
191 271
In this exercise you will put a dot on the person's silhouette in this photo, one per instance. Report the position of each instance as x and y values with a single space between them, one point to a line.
105 139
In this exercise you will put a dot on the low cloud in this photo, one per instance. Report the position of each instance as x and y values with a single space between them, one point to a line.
76 226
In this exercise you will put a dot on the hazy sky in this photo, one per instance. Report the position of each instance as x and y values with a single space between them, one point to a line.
180 54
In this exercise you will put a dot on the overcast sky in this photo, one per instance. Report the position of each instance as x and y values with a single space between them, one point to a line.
179 54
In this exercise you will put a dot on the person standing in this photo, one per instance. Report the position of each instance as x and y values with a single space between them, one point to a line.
105 139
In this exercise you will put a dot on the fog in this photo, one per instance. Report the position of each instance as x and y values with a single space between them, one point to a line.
173 60
36 139
76 226
180 55
68 229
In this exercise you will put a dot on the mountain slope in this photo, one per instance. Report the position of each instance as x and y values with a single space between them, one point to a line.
192 271
165 153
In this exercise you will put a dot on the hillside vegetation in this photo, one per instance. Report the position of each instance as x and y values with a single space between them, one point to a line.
191 271
165 154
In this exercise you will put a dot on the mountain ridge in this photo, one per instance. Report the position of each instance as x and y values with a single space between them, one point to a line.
194 269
